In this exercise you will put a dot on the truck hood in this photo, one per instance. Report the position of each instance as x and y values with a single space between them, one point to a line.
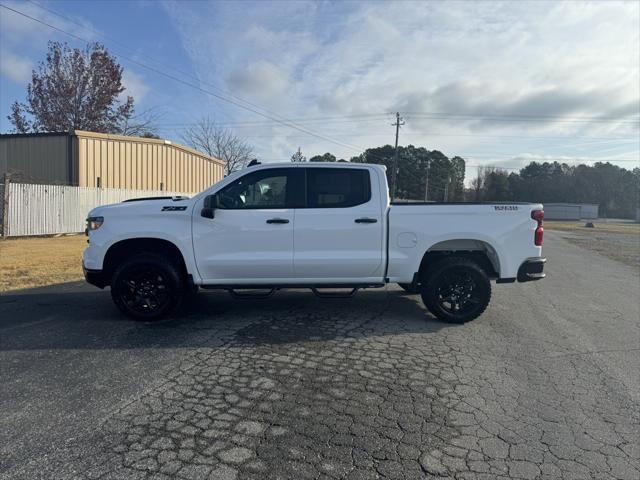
143 206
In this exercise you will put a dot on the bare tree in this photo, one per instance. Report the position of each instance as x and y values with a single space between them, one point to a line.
477 184
298 156
208 137
140 125
491 183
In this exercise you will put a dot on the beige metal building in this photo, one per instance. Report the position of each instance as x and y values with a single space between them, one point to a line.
90 159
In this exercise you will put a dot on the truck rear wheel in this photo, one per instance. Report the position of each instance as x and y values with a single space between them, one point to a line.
147 287
456 290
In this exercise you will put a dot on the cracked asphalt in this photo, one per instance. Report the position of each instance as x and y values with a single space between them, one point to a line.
544 385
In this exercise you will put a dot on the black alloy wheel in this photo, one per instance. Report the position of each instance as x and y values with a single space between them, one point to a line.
146 287
456 290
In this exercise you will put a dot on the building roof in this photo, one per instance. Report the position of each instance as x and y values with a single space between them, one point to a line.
109 136
29 135
562 204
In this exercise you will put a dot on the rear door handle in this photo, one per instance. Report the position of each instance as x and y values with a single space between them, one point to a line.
366 220
278 220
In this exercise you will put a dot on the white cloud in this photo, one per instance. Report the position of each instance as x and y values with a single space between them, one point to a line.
259 79
16 68
135 85
491 63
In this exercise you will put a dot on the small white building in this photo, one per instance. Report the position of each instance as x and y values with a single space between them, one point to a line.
570 211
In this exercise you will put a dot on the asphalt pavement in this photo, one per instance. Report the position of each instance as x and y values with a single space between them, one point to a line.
545 384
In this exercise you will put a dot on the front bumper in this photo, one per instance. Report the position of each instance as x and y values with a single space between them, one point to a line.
95 277
532 269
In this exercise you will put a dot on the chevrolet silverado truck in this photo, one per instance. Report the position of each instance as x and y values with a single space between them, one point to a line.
310 225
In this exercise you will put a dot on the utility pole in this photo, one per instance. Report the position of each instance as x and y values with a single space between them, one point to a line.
394 172
426 184
446 188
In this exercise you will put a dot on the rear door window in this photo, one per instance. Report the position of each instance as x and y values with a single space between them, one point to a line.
337 187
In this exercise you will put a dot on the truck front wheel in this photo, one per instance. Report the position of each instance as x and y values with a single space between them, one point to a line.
456 290
147 286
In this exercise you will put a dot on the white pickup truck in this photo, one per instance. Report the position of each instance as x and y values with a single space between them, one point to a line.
309 225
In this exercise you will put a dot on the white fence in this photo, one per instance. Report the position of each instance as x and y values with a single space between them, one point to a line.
51 209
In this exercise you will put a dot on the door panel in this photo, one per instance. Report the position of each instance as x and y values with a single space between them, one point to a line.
334 238
250 237
241 245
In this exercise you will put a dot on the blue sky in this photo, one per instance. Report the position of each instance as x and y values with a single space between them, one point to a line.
498 83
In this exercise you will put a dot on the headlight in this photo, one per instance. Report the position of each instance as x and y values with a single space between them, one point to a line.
94 223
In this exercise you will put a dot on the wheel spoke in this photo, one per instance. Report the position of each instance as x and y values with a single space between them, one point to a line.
457 291
144 290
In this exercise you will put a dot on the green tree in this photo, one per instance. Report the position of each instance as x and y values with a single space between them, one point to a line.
327 157
497 186
415 166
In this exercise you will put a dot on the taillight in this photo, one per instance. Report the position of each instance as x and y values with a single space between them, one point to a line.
538 216
537 238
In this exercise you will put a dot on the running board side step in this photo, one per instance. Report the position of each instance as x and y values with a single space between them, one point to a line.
251 296
348 294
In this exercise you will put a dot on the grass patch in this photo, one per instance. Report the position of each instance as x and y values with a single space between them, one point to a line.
35 262
617 240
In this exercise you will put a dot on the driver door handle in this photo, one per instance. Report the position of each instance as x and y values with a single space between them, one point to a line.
366 220
278 220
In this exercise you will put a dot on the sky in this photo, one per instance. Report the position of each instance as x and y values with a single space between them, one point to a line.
497 83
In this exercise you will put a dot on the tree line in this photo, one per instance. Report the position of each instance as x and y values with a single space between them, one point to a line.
431 175
614 188
422 174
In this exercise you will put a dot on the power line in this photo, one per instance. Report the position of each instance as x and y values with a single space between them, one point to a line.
272 117
276 119
418 114
167 126
126 47
264 123
524 118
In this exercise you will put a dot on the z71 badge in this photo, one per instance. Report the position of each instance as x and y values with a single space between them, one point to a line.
505 208
173 209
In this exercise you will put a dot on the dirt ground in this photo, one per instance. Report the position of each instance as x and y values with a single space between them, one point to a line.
617 240
34 262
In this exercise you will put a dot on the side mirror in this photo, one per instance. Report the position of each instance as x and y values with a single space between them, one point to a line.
209 207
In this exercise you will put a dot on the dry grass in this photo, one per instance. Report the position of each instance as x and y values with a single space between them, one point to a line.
600 226
34 262
617 240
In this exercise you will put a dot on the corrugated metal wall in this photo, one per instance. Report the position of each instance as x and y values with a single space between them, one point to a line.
91 159
37 158
52 209
589 211
145 164
570 211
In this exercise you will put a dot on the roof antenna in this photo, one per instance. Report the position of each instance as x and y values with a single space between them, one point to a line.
253 162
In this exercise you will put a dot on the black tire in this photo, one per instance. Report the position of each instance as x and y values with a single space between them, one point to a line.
147 287
456 290
410 287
